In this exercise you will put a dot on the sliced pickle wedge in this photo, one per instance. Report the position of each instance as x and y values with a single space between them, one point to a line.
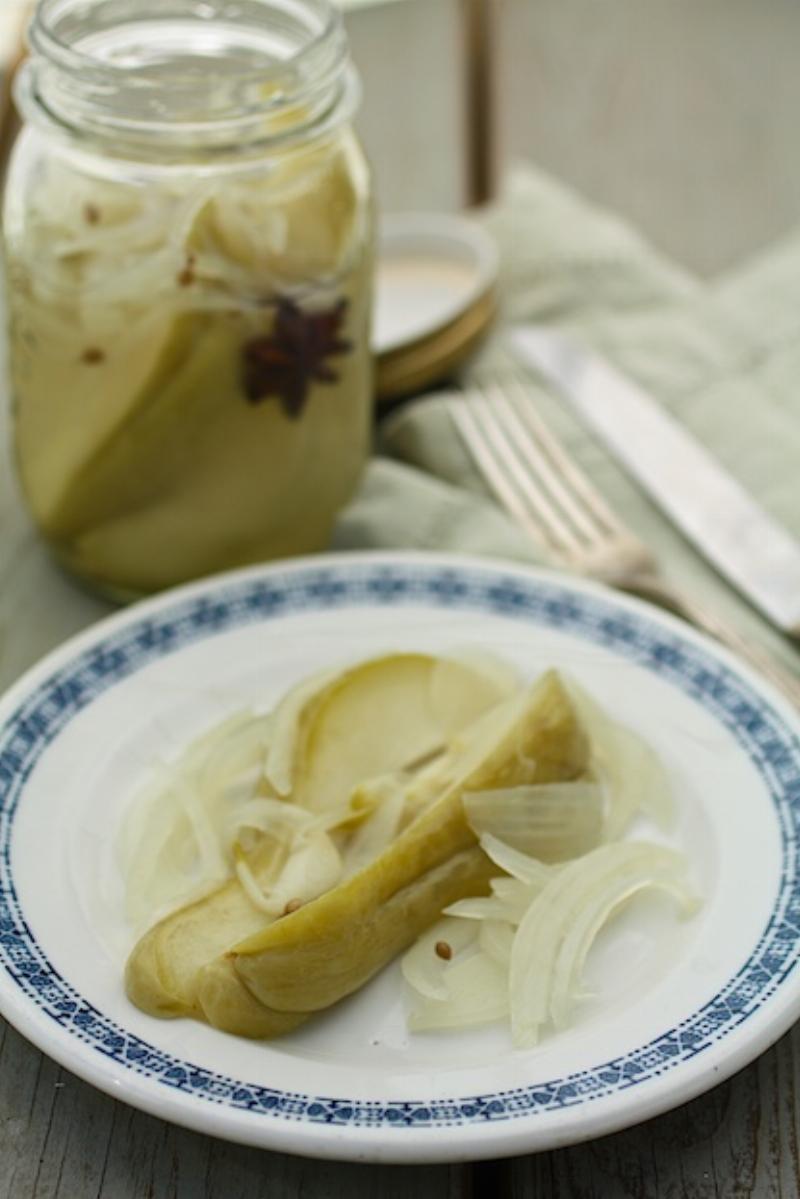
335 944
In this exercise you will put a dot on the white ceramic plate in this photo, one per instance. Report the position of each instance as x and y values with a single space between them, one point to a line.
431 269
676 1007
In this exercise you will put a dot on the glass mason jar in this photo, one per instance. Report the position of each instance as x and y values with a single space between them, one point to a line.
188 231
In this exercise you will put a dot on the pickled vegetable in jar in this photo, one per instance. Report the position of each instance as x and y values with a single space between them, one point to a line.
188 240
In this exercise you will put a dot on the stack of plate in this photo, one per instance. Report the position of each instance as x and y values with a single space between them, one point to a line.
436 297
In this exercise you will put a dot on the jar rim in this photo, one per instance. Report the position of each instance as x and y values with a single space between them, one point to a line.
44 39
80 84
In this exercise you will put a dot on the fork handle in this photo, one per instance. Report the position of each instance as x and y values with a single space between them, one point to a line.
666 596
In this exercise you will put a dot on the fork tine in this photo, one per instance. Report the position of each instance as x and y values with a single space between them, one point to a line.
567 469
500 423
499 436
533 448
490 457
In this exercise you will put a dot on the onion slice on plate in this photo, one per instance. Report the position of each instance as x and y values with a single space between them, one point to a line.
527 943
552 822
632 771
423 968
580 897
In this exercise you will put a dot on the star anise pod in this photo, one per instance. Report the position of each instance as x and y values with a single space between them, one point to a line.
284 364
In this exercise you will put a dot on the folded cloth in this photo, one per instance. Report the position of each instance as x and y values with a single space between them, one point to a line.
724 357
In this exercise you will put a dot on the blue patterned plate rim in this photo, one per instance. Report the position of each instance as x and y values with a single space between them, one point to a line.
714 1042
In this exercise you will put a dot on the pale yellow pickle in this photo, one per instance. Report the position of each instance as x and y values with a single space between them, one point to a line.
189 347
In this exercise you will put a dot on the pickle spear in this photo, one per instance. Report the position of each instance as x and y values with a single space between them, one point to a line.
318 755
160 975
225 961
332 946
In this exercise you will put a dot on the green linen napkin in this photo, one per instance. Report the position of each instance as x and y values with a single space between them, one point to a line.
724 357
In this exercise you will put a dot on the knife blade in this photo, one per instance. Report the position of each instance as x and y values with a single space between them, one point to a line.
711 508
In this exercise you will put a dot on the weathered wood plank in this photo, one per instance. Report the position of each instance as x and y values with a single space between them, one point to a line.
740 1141
61 1139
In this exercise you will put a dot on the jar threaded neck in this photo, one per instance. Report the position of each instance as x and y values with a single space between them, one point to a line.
171 78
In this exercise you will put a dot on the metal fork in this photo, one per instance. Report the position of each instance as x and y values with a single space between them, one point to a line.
538 483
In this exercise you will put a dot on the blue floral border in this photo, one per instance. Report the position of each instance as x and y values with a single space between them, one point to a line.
771 745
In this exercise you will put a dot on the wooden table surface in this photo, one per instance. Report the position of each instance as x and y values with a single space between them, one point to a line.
61 1139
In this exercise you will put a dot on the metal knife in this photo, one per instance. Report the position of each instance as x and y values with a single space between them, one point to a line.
712 509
